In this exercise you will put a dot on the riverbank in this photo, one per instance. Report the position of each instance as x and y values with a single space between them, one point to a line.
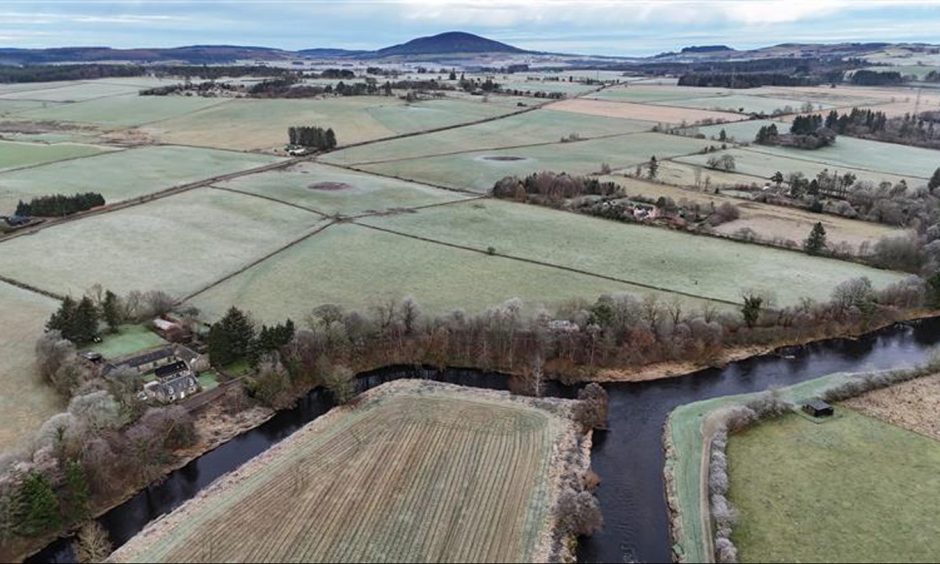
214 427
672 369
687 438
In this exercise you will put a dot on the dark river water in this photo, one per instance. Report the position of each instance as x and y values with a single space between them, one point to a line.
628 457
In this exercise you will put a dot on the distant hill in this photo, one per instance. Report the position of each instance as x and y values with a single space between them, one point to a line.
706 48
193 54
447 43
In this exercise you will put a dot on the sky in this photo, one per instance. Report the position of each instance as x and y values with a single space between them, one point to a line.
599 27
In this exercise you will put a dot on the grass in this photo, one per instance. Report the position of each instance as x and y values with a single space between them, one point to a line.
333 190
478 170
262 124
208 381
671 260
124 175
421 474
26 400
849 152
643 94
15 154
357 267
176 244
852 489
742 103
127 110
538 126
73 92
763 163
128 340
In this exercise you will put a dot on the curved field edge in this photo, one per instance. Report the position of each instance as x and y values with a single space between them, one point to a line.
565 456
687 438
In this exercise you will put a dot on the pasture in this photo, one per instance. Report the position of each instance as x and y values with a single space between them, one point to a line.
332 190
126 110
742 103
479 170
128 340
672 261
357 267
27 400
14 154
124 175
535 127
651 93
763 162
850 489
646 112
71 91
415 472
248 124
176 244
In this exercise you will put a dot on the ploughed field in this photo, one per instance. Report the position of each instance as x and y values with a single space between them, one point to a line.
415 472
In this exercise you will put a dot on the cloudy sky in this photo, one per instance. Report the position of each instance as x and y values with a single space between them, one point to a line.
615 27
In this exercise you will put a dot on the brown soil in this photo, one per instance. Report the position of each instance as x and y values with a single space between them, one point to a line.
913 405
329 186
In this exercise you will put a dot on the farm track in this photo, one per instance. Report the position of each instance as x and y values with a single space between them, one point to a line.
548 264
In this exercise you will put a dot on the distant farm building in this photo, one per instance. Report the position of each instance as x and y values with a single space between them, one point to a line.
817 408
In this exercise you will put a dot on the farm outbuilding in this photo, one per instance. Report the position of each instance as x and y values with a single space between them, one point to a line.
817 408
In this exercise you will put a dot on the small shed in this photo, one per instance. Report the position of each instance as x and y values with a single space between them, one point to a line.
817 408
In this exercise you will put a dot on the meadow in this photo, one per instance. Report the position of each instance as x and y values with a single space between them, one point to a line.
647 112
709 268
126 110
124 175
27 400
332 190
414 472
742 103
71 92
15 154
850 489
358 268
248 124
763 162
539 126
176 244
479 170
652 93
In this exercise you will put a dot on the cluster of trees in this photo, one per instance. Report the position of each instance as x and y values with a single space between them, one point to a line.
908 129
932 76
59 205
876 78
105 443
744 80
725 162
77 321
312 136
206 88
48 73
550 188
235 338
806 132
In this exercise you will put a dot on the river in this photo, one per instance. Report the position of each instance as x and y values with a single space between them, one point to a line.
628 457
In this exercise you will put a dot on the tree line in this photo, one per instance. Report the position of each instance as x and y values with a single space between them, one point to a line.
806 132
876 78
744 80
312 136
59 205
909 129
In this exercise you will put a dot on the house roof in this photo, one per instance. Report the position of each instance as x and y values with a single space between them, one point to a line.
171 369
817 404
147 357
179 384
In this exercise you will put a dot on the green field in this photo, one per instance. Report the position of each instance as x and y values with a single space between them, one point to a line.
262 124
742 103
121 111
758 161
176 244
128 340
26 401
644 94
740 131
539 126
862 154
852 489
333 190
72 92
706 267
124 175
357 267
565 87
15 154
479 170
